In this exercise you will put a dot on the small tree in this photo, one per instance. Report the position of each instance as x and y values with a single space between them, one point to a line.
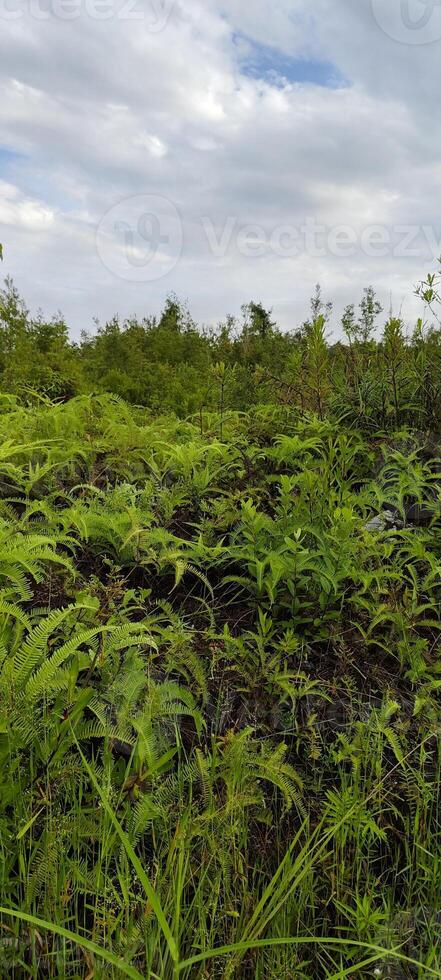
394 353
370 309
317 364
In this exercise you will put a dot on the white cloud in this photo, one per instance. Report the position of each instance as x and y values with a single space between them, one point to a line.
24 213
105 110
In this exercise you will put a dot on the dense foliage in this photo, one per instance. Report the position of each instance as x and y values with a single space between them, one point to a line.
220 651
379 375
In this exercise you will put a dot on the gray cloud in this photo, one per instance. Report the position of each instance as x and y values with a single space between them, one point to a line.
106 110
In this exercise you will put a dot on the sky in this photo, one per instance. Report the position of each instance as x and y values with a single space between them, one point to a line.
223 150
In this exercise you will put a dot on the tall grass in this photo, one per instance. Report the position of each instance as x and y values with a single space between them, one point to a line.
219 697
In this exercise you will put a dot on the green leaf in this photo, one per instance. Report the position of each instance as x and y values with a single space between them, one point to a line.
134 859
76 937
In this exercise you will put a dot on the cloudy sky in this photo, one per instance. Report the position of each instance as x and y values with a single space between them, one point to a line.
225 150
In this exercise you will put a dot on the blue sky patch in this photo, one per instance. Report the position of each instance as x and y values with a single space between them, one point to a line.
34 181
261 61
8 158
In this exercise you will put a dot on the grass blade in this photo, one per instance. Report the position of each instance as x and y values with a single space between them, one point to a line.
136 863
75 937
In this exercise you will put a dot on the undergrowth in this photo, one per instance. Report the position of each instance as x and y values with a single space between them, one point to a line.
219 695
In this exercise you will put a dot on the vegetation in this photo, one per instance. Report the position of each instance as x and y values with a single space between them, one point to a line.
220 648
168 365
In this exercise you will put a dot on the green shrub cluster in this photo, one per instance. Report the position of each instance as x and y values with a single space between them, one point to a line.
219 678
377 376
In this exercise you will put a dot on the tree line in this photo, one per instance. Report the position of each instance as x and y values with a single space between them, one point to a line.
379 374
